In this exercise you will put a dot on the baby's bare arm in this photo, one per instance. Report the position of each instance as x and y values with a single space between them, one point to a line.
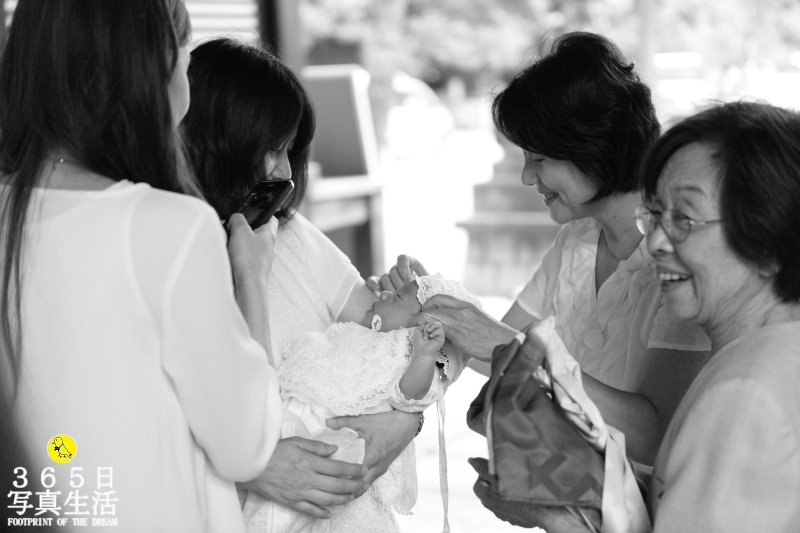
428 340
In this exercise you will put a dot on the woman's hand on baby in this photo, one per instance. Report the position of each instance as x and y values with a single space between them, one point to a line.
471 330
386 436
301 476
400 274
429 337
251 252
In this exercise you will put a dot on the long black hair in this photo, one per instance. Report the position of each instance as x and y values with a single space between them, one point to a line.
582 102
245 102
90 78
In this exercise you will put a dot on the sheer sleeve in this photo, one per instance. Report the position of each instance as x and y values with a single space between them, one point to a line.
222 379
537 295
334 273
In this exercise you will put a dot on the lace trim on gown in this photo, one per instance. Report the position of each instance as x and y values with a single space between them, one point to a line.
347 369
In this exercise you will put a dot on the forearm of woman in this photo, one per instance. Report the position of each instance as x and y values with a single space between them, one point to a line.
251 295
251 255
633 414
358 302
479 338
644 415
517 319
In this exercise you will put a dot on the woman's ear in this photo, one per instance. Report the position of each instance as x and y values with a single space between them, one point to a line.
769 271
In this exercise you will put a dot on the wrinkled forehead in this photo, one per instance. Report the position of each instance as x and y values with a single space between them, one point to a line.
691 174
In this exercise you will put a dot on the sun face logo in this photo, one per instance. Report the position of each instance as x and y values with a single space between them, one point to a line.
61 448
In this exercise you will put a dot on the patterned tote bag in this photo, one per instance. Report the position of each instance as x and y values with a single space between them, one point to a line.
541 472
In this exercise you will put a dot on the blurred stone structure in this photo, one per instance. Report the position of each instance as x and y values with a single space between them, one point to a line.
510 231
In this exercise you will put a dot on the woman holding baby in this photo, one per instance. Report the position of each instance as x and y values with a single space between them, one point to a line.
250 120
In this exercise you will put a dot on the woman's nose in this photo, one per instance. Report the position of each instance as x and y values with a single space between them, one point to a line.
529 176
658 242
283 169
279 167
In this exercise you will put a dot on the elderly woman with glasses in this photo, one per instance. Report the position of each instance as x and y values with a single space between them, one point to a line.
722 220
584 120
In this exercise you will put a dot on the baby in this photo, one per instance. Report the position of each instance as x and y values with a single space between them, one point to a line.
391 360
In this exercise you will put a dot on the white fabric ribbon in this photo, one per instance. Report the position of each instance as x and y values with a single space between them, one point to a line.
443 488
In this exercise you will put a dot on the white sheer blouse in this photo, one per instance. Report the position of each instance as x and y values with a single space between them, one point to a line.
310 282
133 345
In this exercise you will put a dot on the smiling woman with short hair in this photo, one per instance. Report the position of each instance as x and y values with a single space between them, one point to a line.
584 120
722 219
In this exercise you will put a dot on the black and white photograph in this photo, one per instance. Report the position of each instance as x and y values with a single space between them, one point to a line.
400 266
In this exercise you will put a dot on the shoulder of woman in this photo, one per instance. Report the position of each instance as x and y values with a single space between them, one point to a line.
771 354
301 229
173 206
315 244
174 219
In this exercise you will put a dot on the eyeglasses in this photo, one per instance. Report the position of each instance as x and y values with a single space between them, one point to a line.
675 224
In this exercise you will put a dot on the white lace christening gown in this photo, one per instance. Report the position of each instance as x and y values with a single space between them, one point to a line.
346 370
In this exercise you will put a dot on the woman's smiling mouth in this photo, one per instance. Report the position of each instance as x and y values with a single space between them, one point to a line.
549 197
670 280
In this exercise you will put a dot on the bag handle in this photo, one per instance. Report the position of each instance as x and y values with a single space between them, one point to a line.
494 382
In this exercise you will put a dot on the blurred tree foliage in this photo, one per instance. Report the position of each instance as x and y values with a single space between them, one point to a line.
735 38
483 42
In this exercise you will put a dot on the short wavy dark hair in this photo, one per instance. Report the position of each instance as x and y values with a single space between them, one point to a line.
581 102
245 102
756 147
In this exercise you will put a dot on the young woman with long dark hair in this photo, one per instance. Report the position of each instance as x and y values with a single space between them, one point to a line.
120 325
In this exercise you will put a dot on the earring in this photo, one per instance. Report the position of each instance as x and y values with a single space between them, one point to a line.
376 322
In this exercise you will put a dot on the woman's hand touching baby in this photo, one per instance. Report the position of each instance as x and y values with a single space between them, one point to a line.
470 329
400 274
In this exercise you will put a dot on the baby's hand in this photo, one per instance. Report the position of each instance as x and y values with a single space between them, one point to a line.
429 337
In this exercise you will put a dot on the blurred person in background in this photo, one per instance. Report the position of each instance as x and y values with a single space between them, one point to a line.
121 333
584 120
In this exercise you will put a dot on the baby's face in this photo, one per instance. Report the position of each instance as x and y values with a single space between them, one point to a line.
397 309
